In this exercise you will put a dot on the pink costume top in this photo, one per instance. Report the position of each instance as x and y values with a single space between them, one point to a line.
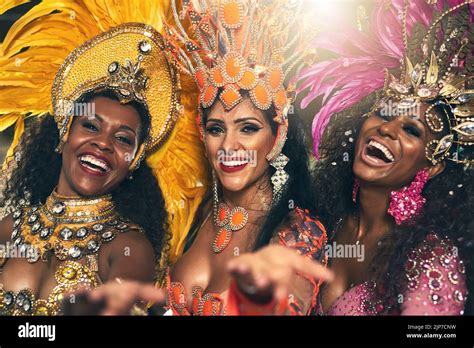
435 285
300 232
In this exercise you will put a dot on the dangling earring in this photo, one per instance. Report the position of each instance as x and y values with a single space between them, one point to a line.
355 190
130 176
407 203
280 177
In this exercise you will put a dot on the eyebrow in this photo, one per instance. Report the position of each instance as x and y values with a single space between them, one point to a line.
125 127
240 120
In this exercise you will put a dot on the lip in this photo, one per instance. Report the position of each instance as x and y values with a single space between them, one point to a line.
93 172
232 169
372 161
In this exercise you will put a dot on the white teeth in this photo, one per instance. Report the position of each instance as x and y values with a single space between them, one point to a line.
382 148
95 161
234 163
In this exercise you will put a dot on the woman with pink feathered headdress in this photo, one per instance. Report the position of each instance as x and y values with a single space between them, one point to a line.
394 175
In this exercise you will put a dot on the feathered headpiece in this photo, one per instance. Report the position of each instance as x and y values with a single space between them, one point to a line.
35 49
236 46
427 44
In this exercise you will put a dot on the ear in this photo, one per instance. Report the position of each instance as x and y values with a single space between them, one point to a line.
438 168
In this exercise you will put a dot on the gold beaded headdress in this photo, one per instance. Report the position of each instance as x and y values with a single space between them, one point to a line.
429 46
39 44
237 46
131 60
442 78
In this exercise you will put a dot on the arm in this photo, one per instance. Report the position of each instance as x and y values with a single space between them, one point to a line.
289 271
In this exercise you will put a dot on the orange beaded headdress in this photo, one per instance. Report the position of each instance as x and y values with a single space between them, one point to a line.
242 46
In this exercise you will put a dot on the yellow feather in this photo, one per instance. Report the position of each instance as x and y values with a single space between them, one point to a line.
11 4
45 38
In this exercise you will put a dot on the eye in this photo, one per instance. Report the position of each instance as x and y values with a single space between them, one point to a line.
214 130
124 139
412 130
250 128
383 115
90 126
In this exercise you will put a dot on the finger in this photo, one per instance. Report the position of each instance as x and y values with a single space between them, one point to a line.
150 293
312 268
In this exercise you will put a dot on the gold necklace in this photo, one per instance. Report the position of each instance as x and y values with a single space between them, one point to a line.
71 227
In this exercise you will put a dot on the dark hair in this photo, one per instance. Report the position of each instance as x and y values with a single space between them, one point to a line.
37 172
297 192
448 210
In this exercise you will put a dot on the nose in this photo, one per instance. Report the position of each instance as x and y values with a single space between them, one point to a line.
102 142
390 129
230 142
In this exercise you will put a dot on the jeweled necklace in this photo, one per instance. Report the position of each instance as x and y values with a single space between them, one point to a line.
228 221
71 227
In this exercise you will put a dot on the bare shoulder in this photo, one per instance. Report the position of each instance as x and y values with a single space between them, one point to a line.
6 228
130 256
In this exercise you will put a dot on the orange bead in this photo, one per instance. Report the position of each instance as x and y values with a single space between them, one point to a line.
230 97
232 67
237 218
231 14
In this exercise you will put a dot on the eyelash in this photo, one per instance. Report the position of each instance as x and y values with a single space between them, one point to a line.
94 128
410 129
248 128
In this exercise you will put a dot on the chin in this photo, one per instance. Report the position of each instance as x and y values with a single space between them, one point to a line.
233 184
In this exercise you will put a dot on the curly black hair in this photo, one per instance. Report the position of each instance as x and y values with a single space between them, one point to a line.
447 212
36 173
296 193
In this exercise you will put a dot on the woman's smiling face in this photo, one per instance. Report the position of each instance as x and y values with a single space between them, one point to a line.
390 150
237 142
100 147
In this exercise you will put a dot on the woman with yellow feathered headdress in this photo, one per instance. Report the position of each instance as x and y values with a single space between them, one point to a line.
92 201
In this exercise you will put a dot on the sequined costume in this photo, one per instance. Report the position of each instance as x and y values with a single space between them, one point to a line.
435 285
300 232
73 230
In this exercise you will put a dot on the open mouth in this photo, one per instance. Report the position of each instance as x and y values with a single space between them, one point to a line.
234 163
94 164
379 151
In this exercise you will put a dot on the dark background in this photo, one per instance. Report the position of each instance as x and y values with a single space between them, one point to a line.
6 21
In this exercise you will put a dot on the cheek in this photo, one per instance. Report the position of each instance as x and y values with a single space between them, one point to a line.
212 144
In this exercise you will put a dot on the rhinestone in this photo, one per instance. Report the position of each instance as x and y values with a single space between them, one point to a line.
45 233
58 208
16 214
145 47
113 67
122 226
458 296
26 305
66 234
93 246
107 236
35 228
16 223
15 233
33 218
112 223
98 227
35 256
8 299
82 233
74 252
